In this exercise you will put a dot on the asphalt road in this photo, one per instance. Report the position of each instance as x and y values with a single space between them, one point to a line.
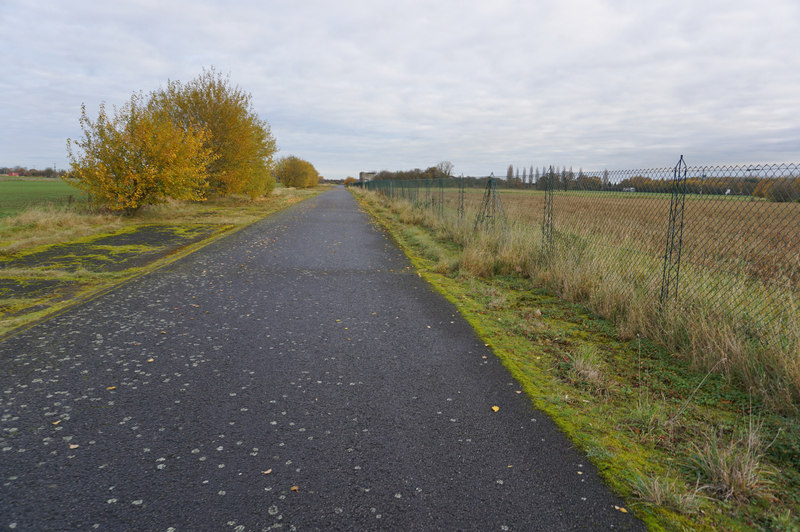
297 374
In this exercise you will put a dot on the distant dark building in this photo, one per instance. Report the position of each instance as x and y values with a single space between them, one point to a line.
366 176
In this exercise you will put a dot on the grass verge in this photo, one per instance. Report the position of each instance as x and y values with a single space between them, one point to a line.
54 256
686 447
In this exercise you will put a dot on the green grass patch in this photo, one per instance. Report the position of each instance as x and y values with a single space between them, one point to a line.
688 449
19 193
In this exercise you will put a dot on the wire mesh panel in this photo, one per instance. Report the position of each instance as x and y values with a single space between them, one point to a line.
738 239
742 239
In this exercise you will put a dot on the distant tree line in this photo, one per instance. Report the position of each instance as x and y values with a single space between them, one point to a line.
31 172
442 170
779 189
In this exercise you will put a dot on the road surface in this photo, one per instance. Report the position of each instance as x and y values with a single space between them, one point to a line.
297 374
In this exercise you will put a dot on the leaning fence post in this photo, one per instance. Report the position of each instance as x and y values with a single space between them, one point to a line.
491 206
672 249
547 219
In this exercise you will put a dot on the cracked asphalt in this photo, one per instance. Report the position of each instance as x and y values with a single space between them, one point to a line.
297 374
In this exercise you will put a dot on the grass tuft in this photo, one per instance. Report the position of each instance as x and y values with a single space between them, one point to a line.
585 368
734 467
668 492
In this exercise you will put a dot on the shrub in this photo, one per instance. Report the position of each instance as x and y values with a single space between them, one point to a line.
292 171
242 143
138 157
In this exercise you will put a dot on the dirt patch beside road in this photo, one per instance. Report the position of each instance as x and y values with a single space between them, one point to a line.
129 248
37 281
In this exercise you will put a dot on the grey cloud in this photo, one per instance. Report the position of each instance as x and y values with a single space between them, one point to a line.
353 86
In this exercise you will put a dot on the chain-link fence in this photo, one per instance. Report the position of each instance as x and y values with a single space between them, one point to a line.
720 239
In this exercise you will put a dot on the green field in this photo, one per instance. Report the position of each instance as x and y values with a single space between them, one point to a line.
17 193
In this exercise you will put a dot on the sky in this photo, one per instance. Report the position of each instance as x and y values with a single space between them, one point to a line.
356 85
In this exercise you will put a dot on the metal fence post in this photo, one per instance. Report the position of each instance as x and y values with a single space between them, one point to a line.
491 206
441 197
547 219
461 198
672 251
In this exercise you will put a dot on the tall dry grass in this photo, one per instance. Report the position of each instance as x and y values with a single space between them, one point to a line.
51 224
763 355
760 236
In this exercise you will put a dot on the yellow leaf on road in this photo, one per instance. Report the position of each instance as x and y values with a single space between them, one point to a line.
111 388
294 488
73 446
496 408
267 472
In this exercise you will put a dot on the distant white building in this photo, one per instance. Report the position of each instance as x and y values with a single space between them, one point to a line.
629 189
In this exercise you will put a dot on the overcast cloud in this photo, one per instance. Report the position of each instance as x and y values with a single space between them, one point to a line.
355 85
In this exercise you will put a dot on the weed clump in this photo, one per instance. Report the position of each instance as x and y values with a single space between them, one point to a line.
585 368
734 466
667 491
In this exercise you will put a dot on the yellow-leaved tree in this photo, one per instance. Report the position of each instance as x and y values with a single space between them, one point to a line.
292 171
138 156
241 142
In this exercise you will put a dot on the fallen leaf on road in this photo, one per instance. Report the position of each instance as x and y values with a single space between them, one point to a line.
111 388
150 359
621 509
74 446
496 408
56 422
294 488
267 472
